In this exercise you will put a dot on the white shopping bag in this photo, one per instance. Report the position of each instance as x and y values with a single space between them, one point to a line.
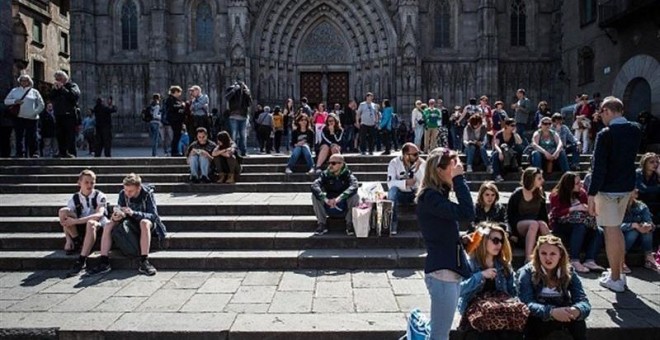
361 221
371 192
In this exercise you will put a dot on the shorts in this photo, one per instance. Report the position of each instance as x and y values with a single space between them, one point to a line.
610 208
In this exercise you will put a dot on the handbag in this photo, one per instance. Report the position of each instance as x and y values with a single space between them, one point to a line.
578 217
15 109
495 311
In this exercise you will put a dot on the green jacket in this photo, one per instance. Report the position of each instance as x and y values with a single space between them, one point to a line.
432 118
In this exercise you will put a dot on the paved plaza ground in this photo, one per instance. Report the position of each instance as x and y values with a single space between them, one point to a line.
263 302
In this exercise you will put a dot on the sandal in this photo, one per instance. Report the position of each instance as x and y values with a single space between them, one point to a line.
626 270
651 265
579 267
593 266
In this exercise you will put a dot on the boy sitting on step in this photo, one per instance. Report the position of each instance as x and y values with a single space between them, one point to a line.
84 211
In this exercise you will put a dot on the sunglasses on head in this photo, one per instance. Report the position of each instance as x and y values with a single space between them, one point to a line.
496 240
550 239
444 152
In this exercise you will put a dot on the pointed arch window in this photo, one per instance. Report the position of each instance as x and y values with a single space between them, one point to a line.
518 23
585 65
204 27
129 21
442 37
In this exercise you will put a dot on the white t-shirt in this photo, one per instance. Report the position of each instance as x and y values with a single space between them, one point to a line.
86 202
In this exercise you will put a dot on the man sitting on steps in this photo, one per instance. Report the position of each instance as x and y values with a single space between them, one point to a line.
135 218
85 211
334 193
404 175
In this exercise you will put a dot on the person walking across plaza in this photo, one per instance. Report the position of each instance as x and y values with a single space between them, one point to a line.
612 183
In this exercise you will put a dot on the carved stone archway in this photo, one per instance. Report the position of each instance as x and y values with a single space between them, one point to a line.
640 66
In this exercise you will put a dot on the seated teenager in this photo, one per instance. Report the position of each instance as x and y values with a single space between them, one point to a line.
198 156
136 216
553 293
528 215
331 136
84 212
571 221
404 175
638 227
474 136
507 150
548 148
334 193
225 159
492 278
488 208
302 141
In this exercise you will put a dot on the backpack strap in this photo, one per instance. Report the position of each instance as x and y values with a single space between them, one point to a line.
77 204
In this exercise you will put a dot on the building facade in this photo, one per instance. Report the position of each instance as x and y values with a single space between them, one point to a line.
326 50
39 42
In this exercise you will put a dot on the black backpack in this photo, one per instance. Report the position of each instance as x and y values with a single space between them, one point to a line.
79 207
147 115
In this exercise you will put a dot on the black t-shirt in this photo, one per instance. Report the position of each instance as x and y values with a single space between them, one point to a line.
347 117
307 137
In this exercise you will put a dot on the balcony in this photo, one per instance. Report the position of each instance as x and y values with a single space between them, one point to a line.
618 13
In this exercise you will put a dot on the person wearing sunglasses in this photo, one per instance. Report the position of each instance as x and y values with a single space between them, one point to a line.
331 140
548 148
404 176
492 274
334 193
438 219
553 292
508 149
571 145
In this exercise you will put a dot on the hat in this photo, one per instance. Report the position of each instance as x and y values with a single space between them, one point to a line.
267 109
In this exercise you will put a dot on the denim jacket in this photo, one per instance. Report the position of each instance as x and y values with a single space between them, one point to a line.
472 285
638 212
529 293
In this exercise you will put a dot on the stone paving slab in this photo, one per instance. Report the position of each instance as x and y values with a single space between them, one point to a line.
337 304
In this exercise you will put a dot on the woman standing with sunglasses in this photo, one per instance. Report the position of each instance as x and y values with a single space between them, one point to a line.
553 293
438 218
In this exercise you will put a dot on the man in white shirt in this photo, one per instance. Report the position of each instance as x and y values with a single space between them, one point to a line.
404 175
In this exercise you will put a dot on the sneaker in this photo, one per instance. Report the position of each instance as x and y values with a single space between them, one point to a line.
499 178
288 171
194 179
617 286
650 264
489 169
593 266
318 171
363 153
606 275
311 171
76 269
322 229
579 267
206 179
350 231
626 269
147 268
469 168
100 269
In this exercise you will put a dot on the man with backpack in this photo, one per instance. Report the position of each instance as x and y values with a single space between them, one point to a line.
133 221
84 213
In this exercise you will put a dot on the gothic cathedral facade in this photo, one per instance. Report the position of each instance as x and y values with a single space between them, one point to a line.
326 50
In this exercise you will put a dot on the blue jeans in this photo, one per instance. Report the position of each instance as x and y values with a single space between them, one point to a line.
154 132
199 166
301 151
497 164
444 298
576 234
399 197
419 135
471 149
238 134
645 240
348 138
457 137
575 155
538 158
520 129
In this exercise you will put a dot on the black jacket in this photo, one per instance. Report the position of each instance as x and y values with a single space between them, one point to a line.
65 99
174 109
330 186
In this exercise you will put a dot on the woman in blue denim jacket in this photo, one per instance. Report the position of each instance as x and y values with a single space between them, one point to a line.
490 263
638 226
554 294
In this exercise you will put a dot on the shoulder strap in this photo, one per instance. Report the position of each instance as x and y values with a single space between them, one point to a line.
77 204
26 93
94 197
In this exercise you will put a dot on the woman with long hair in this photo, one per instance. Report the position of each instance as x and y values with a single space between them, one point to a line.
648 180
548 147
225 159
331 137
488 208
302 141
438 219
289 113
638 227
528 215
553 293
319 117
572 222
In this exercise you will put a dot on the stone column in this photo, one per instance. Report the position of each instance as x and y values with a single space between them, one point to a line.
487 66
408 76
83 51
158 51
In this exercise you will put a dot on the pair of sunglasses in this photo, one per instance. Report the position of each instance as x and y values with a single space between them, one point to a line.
334 163
496 240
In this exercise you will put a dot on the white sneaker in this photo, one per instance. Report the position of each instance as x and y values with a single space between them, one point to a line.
311 171
288 171
469 168
617 286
